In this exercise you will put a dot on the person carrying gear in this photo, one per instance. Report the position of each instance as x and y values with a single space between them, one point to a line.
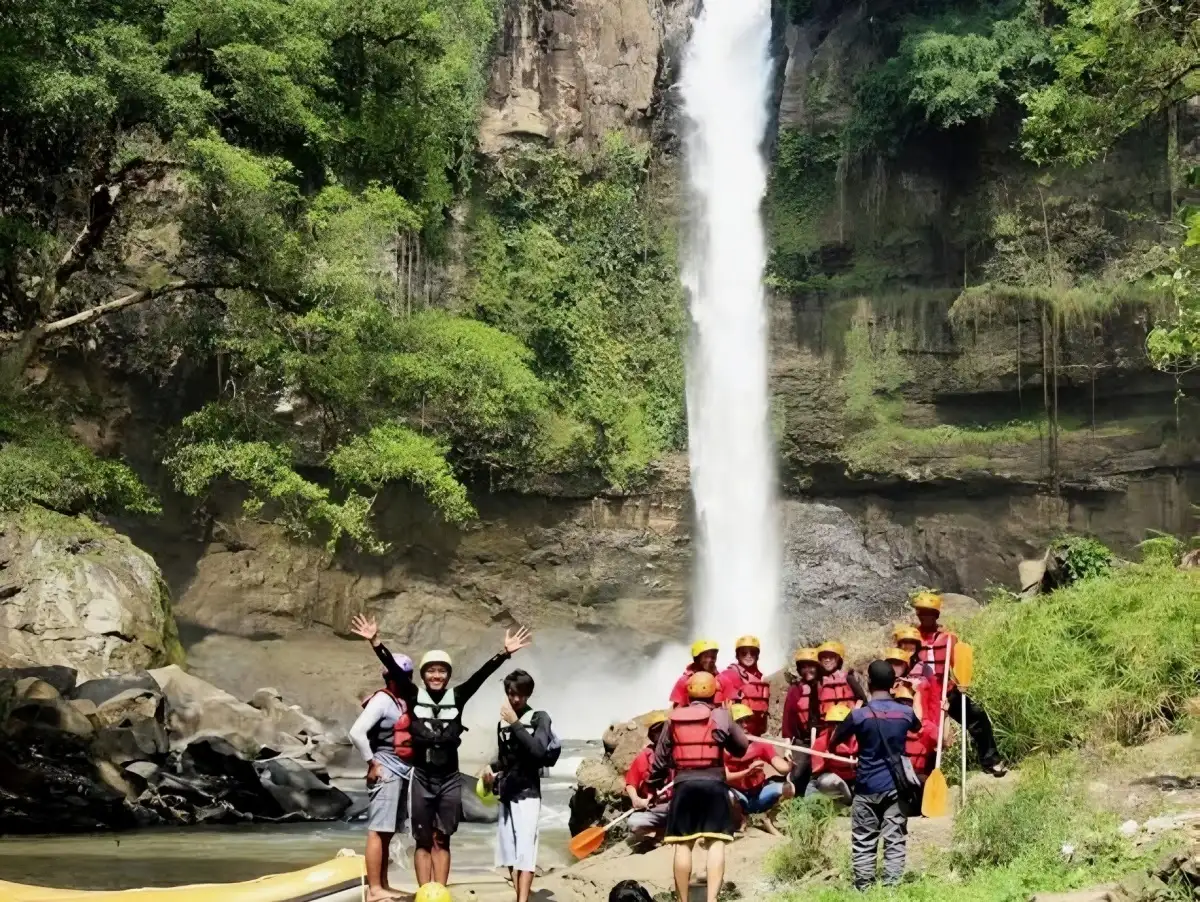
835 686
743 682
801 715
704 660
381 736
436 728
834 779
937 644
920 746
691 746
880 727
757 777
651 817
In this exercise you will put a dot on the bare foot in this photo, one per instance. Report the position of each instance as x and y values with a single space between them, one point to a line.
769 826
383 895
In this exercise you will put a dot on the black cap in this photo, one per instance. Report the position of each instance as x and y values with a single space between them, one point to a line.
881 676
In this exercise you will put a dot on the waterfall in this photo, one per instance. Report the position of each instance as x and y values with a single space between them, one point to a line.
726 87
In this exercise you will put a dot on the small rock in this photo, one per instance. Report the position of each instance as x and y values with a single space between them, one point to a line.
1192 706
61 678
1129 828
35 689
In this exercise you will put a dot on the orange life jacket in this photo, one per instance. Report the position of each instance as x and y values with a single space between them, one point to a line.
834 689
756 692
693 738
920 753
935 648
401 734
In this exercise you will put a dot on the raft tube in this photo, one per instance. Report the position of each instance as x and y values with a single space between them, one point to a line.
339 880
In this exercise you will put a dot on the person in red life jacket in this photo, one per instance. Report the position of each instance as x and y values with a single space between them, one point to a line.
834 778
651 817
757 778
936 647
691 747
835 686
704 660
381 735
920 745
801 715
744 683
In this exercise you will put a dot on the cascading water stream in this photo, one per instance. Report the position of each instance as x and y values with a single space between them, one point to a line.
726 85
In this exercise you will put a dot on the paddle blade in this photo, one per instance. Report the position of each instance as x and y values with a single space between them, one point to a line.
963 664
588 841
935 802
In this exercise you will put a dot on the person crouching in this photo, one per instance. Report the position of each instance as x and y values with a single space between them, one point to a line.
834 779
691 746
757 778
650 819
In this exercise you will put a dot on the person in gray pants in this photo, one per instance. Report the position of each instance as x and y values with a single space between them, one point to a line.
876 813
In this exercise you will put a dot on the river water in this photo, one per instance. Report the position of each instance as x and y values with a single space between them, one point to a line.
226 854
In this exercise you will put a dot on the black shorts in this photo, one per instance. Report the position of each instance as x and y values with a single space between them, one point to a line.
699 810
436 803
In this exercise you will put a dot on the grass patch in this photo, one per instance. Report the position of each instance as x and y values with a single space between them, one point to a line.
808 825
1107 659
1040 837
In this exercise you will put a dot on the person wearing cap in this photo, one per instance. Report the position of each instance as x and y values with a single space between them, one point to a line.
691 747
704 660
744 683
937 645
381 736
834 779
435 789
879 725
651 817
801 715
756 778
835 686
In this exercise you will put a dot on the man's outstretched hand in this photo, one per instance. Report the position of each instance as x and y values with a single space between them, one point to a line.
362 625
514 642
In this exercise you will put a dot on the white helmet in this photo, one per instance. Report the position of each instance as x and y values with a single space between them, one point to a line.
436 656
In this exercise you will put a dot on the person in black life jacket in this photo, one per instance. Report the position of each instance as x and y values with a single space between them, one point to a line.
381 735
692 746
524 740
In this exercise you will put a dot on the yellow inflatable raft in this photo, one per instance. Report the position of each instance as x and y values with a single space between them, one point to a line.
339 880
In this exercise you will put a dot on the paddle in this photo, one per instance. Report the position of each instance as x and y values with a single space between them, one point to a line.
964 672
588 841
935 800
780 744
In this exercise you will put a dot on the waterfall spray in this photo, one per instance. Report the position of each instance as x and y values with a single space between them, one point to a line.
726 87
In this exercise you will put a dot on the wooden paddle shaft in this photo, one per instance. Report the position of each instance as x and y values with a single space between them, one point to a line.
780 744
964 745
632 811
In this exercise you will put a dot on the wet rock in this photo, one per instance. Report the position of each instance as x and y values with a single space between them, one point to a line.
101 690
61 678
130 707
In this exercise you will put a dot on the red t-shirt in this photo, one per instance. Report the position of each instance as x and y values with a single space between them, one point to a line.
758 751
679 694
639 772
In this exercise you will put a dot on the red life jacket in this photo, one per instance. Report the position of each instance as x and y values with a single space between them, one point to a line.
693 738
834 689
847 749
756 692
804 710
917 748
401 735
935 649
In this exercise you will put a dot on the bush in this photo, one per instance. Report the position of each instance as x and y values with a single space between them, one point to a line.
807 823
1083 557
1109 658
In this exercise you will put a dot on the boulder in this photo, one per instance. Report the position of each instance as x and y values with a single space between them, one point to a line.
61 678
35 690
53 715
101 690
300 793
142 741
130 707
77 595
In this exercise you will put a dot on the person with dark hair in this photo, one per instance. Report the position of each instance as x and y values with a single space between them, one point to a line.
629 891
881 727
802 715
651 807
525 744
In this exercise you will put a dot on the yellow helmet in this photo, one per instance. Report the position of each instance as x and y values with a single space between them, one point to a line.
905 633
747 642
806 655
700 646
702 685
654 718
897 654
737 712
432 892
832 647
929 601
837 713
900 690
436 656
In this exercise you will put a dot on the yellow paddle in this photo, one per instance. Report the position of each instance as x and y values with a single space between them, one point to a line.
964 672
935 801
588 841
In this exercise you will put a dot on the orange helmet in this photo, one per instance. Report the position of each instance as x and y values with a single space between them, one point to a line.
906 633
832 648
902 691
702 685
897 654
929 601
806 656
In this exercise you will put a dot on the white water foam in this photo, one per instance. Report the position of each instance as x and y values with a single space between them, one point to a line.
726 88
